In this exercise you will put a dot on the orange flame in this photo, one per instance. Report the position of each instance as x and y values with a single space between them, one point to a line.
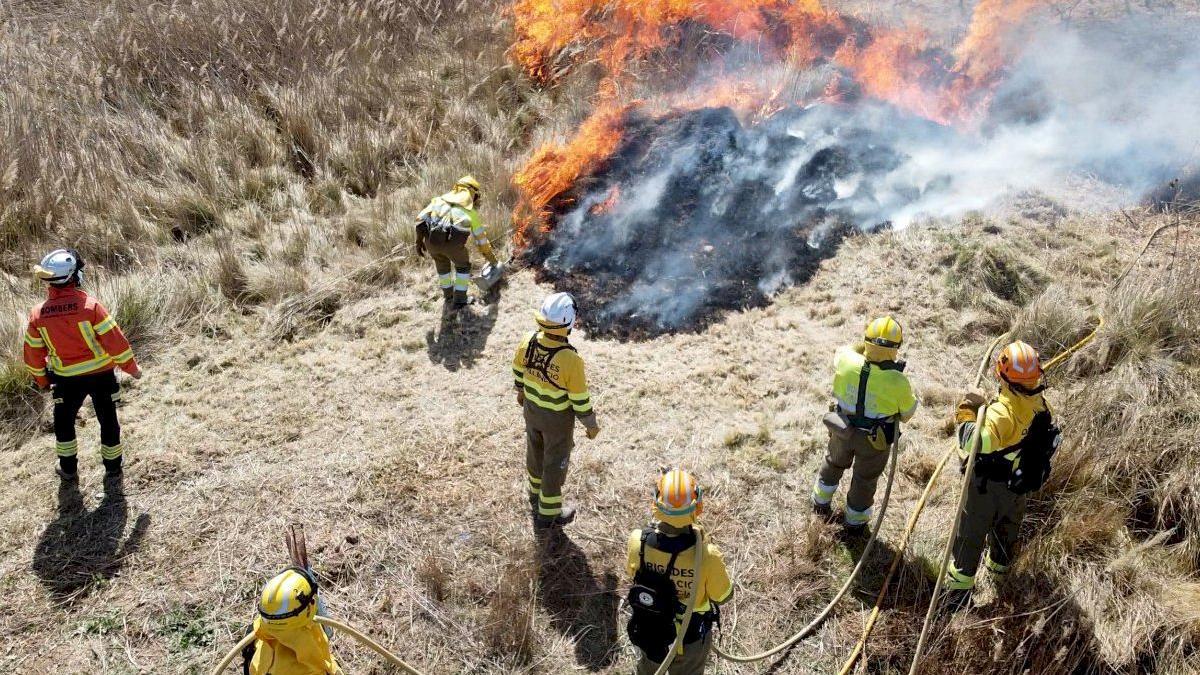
614 196
554 168
898 66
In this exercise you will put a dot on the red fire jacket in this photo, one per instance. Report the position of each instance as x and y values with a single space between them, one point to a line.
72 334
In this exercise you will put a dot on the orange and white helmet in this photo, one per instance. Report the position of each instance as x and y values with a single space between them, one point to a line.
1019 364
678 498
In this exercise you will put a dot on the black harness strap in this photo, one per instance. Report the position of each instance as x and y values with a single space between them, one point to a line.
860 406
539 357
642 555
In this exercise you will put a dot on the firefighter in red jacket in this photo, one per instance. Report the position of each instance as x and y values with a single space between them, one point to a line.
72 346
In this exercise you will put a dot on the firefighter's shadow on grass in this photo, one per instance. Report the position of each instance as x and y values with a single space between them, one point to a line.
909 585
461 336
81 549
581 606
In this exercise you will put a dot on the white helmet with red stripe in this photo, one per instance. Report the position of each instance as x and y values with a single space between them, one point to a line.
678 498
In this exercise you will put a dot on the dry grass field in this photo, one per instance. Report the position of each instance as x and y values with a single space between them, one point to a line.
228 170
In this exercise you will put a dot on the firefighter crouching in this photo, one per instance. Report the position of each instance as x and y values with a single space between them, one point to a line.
661 559
1017 441
443 228
553 392
872 393
72 346
287 639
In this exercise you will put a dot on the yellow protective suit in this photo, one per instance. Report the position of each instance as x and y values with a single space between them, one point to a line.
303 650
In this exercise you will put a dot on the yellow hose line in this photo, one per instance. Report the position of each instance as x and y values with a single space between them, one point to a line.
1076 347
233 653
332 623
911 526
697 560
968 473
862 559
368 642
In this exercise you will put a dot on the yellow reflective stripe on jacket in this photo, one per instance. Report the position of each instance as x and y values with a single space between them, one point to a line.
546 398
123 357
478 231
581 403
89 336
83 368
36 372
35 342
106 325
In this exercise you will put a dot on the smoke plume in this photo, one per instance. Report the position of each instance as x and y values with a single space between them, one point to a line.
661 216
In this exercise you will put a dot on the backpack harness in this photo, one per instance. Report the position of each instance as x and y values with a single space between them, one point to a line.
538 357
1033 452
654 600
880 432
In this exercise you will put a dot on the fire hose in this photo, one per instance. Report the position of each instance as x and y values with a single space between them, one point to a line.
332 623
681 631
862 559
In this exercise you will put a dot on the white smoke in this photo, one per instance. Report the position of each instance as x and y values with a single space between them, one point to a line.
714 214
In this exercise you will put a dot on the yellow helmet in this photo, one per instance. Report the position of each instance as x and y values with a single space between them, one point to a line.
465 193
289 600
884 332
469 183
678 499
881 340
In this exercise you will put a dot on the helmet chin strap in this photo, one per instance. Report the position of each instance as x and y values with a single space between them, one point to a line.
1022 389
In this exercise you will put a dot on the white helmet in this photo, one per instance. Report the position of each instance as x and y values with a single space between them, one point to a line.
557 312
59 267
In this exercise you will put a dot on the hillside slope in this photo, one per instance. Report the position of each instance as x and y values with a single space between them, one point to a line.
400 447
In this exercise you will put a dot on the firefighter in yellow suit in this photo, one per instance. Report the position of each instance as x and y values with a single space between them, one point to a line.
288 640
667 547
443 229
1017 440
873 395
552 391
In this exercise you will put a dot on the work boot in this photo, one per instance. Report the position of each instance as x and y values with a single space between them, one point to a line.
112 467
564 518
68 468
463 302
113 485
854 531
533 502
823 511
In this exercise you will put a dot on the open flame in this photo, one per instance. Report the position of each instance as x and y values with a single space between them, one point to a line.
897 66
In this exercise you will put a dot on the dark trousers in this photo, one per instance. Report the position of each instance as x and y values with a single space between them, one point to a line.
549 438
692 661
992 515
69 394
453 264
868 464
